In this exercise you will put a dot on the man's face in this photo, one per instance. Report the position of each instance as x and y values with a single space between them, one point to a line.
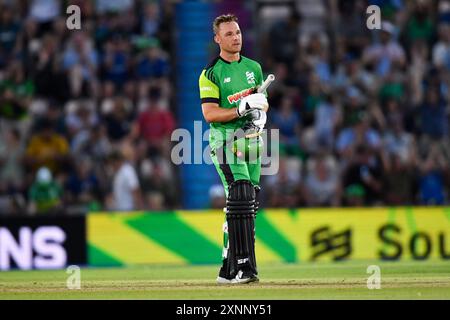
229 37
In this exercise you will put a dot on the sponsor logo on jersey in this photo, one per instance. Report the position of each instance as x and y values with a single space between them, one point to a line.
235 97
250 77
205 89
227 79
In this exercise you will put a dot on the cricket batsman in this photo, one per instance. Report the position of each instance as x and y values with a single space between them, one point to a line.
232 102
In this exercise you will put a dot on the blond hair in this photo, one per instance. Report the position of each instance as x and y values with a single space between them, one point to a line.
222 19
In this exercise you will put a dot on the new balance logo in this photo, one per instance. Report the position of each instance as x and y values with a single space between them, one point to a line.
242 261
226 80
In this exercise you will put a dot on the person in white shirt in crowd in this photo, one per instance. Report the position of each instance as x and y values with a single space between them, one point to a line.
441 50
126 188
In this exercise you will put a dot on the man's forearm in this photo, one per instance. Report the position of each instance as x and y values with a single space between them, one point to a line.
224 115
214 113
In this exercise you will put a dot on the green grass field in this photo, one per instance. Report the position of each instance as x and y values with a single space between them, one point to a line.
344 280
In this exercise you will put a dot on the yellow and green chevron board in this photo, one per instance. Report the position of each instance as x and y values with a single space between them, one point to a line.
282 235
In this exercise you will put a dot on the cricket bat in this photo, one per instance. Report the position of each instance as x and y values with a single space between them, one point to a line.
263 87
270 78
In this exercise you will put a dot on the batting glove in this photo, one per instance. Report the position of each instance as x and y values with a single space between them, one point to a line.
251 102
257 118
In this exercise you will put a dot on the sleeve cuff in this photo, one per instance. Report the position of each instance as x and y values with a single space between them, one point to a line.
214 100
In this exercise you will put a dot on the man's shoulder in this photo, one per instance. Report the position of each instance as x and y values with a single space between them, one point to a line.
209 70
249 61
127 169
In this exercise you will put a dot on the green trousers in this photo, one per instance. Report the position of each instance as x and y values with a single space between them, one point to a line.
232 168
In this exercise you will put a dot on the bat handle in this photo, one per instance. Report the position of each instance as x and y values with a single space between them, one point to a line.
266 83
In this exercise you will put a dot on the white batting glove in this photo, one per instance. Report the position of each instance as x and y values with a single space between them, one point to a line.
251 102
258 119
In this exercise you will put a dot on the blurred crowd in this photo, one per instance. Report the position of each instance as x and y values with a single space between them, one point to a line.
86 115
77 107
363 114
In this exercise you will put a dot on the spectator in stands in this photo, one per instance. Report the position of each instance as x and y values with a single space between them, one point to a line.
322 184
441 50
353 103
360 133
47 148
155 124
288 121
351 26
398 142
9 31
16 92
150 19
399 180
393 87
420 24
317 58
154 201
82 185
157 179
80 61
98 144
117 60
433 117
126 188
354 195
351 74
12 151
108 94
81 118
431 181
44 12
49 76
284 188
29 43
327 120
283 39
45 194
118 121
443 13
54 113
314 96
365 172
387 54
152 63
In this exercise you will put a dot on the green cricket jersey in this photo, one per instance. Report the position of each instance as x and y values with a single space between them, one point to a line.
226 83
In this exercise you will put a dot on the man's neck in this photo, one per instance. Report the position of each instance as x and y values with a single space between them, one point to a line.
230 57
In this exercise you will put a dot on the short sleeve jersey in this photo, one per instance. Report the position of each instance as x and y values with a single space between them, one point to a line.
125 181
226 83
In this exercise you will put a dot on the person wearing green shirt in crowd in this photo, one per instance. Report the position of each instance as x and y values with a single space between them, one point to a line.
45 194
15 93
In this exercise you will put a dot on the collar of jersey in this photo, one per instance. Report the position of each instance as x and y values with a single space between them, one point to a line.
240 58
